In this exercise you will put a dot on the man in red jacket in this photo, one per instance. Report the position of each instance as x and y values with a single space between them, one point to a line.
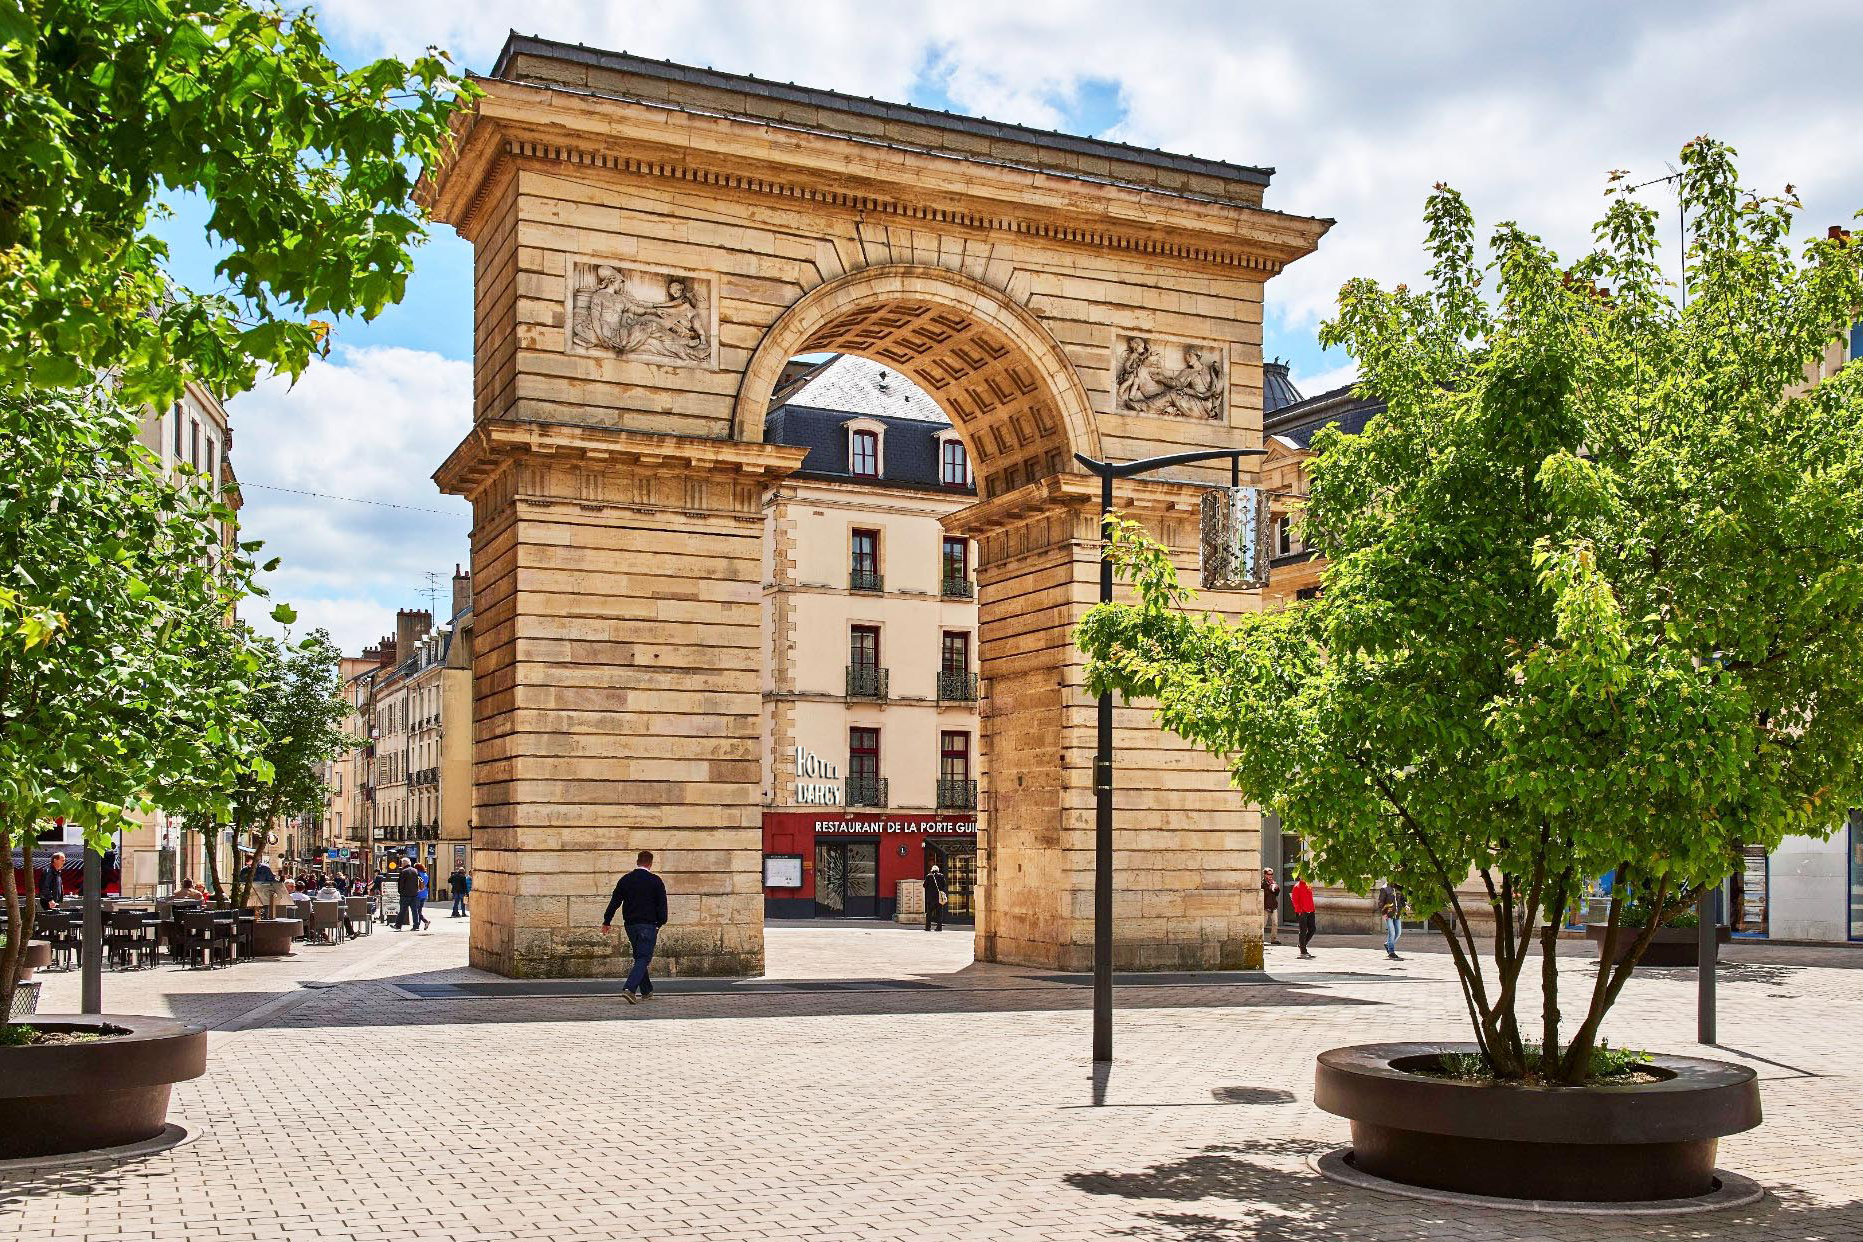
1302 898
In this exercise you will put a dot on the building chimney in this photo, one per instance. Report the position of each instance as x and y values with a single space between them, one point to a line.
411 625
384 651
462 590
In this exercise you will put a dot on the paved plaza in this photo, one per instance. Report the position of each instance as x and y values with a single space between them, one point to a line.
877 1085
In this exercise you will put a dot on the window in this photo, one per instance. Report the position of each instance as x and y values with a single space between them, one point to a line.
956 567
211 488
178 442
954 756
955 657
863 646
863 453
1284 536
953 468
194 443
864 561
864 786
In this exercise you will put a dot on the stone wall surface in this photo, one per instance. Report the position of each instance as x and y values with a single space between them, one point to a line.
647 259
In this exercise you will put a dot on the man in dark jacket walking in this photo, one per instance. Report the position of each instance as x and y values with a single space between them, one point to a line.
407 885
52 886
640 895
460 884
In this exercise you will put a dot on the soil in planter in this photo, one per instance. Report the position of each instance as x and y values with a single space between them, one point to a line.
20 1035
1610 1067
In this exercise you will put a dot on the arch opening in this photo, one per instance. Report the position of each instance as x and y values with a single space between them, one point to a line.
1006 385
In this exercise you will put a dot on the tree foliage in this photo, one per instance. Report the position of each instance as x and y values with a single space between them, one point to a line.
1594 600
120 687
107 108
295 708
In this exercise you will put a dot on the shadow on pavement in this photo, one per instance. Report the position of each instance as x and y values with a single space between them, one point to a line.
442 997
1284 1201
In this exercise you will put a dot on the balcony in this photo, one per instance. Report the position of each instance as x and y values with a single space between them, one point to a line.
958 588
866 681
957 686
865 580
866 791
957 795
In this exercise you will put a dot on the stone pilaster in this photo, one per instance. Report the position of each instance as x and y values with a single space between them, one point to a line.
617 656
1187 846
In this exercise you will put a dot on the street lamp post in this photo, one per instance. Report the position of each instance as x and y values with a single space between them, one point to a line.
1103 755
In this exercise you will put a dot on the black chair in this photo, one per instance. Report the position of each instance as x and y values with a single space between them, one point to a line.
128 937
206 939
62 931
243 924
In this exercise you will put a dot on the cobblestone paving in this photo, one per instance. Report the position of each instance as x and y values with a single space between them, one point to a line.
964 1110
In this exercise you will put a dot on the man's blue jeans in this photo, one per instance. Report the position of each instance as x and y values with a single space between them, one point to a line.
642 936
459 902
1393 928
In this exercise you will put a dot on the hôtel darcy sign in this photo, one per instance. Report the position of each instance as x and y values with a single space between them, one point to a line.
818 782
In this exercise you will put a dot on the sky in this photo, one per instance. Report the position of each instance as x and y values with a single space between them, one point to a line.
1359 107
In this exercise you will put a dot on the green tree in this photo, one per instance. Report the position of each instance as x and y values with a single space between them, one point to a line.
107 108
295 709
113 581
1595 593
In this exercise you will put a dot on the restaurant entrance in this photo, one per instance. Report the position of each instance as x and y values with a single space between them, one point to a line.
957 857
847 879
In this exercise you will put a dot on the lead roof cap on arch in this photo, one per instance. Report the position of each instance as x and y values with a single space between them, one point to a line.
668 84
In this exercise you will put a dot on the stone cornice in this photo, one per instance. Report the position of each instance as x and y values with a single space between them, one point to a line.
1075 493
525 125
495 442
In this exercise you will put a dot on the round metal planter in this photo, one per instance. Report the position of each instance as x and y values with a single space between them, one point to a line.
58 1098
1613 1144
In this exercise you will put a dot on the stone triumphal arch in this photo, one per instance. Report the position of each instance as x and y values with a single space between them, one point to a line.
652 243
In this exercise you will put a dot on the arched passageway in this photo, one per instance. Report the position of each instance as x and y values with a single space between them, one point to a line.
653 244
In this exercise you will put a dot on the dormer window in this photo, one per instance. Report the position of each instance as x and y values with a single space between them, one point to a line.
866 447
863 454
953 463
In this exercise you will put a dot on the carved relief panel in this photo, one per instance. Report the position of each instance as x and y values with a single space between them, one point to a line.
1176 379
667 318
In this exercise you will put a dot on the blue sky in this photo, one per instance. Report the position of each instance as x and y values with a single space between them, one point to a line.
1360 107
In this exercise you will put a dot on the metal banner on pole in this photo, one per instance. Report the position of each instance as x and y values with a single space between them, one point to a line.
1235 539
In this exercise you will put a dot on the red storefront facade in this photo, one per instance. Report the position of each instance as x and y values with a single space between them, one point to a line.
835 863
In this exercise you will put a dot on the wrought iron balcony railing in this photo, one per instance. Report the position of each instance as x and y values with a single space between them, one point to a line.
957 795
959 588
865 580
866 791
866 681
957 687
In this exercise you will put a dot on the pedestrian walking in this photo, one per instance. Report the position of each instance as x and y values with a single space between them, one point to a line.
1302 898
937 892
1270 907
1391 910
407 887
640 896
52 886
460 883
421 921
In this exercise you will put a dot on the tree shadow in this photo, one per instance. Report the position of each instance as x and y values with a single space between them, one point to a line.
1273 1197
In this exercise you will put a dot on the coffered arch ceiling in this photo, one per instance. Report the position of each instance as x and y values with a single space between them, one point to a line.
1005 384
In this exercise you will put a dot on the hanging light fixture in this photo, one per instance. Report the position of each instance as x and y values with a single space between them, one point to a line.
1235 539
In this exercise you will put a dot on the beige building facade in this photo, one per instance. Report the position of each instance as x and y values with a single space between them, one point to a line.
870 687
653 246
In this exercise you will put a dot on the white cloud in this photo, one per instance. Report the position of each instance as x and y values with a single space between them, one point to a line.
1312 384
371 423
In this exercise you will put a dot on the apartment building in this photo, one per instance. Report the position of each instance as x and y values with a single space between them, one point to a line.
410 780
870 689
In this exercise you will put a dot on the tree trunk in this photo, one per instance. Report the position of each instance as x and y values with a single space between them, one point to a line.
21 917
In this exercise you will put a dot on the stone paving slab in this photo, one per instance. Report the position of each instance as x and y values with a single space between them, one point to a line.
871 1114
